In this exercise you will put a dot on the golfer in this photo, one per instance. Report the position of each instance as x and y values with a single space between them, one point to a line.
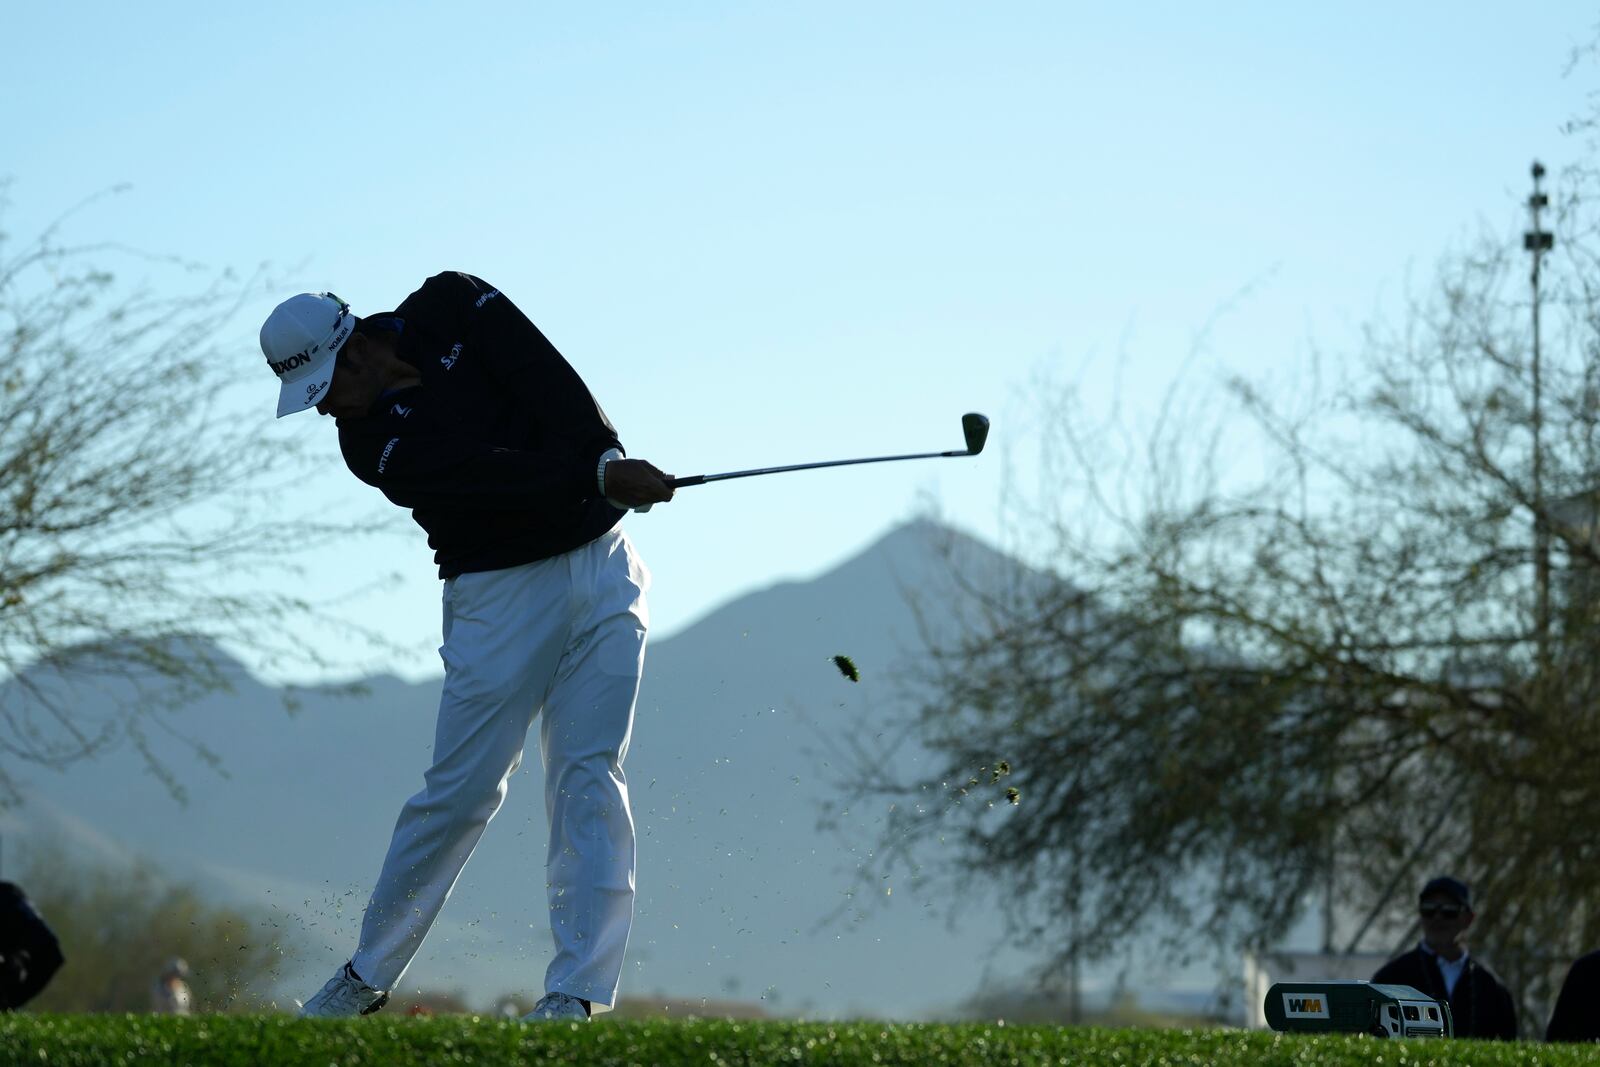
457 407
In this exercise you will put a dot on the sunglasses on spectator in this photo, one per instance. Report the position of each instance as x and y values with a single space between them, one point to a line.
1447 911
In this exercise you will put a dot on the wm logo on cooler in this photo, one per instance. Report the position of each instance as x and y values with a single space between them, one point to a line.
1302 1006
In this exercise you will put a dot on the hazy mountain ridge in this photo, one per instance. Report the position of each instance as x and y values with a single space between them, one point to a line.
726 778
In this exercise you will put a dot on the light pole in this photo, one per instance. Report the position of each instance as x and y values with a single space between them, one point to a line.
1539 242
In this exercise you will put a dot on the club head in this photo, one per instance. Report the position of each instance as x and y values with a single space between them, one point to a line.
976 429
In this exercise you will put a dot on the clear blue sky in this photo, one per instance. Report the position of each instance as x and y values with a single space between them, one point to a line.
771 233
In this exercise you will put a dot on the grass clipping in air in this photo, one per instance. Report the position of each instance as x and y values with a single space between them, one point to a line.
847 667
1001 769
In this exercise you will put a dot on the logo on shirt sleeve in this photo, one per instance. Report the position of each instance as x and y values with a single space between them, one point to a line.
383 460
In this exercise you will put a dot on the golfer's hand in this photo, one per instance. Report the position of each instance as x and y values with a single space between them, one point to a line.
634 483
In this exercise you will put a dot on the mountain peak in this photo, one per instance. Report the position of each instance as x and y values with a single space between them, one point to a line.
733 767
921 552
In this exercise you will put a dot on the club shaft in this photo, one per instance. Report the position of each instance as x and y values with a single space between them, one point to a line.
701 479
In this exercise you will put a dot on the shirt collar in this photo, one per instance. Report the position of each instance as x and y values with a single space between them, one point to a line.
1427 950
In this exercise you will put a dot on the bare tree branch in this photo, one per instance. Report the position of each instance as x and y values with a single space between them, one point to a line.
133 500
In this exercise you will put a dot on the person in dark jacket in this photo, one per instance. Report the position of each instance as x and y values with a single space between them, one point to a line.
1577 1014
455 406
1441 966
29 953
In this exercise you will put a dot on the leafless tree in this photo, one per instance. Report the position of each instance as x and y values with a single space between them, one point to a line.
133 499
1318 672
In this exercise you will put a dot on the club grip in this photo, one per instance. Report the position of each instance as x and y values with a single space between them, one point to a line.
693 479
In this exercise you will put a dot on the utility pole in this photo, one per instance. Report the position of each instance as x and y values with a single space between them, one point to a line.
1329 845
1539 242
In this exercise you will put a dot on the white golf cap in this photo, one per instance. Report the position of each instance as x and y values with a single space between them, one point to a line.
300 339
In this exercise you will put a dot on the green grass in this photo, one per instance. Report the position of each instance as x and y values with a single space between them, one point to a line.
248 1041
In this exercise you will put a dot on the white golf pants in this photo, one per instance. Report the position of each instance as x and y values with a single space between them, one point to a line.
566 636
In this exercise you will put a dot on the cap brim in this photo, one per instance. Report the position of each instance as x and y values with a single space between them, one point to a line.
307 390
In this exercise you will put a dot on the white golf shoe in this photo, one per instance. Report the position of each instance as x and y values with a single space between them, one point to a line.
345 996
554 1007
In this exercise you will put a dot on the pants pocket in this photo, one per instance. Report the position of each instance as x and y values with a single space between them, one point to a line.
619 649
620 636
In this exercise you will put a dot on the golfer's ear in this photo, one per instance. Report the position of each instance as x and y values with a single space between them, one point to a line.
355 351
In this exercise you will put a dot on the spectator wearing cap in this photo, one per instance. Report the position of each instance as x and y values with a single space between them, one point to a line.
1577 1014
1441 966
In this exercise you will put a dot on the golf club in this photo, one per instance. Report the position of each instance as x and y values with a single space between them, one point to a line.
974 427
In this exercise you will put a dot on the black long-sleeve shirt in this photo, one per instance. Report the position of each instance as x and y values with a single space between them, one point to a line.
495 452
29 952
1577 1012
1480 1006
